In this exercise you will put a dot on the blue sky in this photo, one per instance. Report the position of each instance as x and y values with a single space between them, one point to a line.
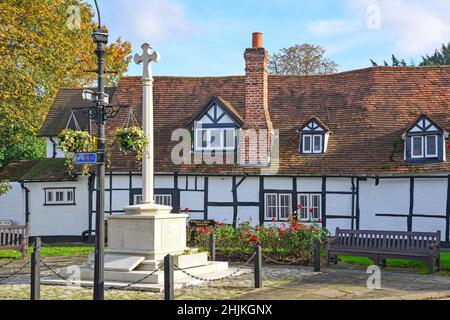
208 37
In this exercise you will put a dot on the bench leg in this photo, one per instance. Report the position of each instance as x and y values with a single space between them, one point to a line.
335 259
438 264
431 265
384 263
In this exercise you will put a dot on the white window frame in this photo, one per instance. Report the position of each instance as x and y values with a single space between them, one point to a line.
305 213
277 206
166 199
59 196
312 137
413 156
137 199
199 138
436 144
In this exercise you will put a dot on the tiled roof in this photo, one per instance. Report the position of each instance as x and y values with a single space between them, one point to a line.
59 113
40 170
365 110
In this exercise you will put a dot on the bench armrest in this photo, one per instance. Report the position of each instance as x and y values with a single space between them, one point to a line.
436 245
330 241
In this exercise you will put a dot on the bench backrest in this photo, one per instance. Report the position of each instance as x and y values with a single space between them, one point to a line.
13 237
374 240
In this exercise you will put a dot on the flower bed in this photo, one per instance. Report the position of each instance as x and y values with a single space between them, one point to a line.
289 242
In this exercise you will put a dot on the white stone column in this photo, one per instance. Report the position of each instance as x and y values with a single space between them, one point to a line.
148 127
148 56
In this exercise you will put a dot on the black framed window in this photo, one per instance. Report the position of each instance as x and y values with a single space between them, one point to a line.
59 196
424 142
313 137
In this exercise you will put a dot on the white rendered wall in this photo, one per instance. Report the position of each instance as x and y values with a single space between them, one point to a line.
58 220
391 196
12 205
49 145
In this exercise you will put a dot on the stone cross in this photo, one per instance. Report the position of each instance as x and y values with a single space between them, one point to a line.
148 173
146 59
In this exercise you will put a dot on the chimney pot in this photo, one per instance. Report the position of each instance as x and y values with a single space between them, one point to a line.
257 40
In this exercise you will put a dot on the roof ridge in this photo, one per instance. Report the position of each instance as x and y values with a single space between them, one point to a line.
361 70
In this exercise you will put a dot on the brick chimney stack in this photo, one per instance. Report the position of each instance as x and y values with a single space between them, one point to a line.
256 87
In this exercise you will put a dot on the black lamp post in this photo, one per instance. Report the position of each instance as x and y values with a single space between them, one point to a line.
101 39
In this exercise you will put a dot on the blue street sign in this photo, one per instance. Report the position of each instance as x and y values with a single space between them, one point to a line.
85 158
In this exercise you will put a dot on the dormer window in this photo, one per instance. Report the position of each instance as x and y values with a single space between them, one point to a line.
424 142
216 127
313 137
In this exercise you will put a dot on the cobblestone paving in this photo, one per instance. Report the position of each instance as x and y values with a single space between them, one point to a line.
280 282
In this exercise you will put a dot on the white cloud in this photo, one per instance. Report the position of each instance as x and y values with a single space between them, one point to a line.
414 27
152 20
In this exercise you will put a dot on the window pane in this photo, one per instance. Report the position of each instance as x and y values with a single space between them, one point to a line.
49 196
163 199
214 138
431 146
317 143
69 195
59 196
315 207
137 199
200 139
417 146
307 143
271 206
303 201
285 206
229 138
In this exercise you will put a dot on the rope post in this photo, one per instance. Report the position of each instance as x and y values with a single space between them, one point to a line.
168 278
258 267
317 256
212 246
35 293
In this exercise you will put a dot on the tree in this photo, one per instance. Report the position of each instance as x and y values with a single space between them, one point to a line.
4 187
440 57
41 52
395 62
300 60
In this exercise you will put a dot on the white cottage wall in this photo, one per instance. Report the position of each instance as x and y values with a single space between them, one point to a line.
50 148
59 220
12 205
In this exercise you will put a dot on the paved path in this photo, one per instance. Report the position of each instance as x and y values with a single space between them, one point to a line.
280 282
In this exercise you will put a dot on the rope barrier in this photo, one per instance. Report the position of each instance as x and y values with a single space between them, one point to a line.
55 272
7 264
110 288
15 273
132 283
215 279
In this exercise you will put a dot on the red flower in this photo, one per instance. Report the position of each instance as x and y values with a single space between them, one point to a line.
274 220
241 235
311 210
187 210
299 207
319 220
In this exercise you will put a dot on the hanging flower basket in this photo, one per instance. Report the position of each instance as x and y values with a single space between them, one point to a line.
72 142
132 139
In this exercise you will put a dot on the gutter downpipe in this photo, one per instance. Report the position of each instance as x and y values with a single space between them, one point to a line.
27 206
54 147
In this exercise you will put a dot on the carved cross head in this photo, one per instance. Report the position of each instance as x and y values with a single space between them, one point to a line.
147 57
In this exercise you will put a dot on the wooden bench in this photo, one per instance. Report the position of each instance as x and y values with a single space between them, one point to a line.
382 245
14 238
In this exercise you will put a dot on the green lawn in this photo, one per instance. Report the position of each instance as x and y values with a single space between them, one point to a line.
56 250
397 263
